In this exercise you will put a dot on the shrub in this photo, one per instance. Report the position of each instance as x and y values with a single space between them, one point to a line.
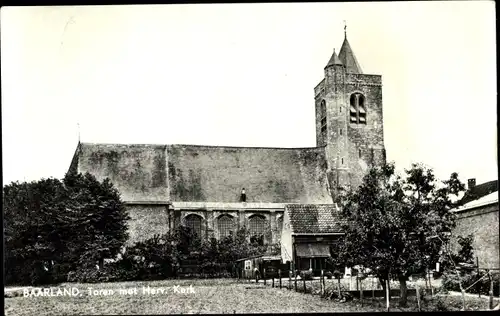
328 274
337 274
451 283
441 306
306 274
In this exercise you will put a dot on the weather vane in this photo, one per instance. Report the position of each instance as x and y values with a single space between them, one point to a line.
345 28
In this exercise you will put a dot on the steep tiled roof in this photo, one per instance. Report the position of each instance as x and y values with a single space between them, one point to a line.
334 60
191 173
314 219
347 57
479 191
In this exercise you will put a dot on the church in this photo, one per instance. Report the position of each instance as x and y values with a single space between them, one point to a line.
216 190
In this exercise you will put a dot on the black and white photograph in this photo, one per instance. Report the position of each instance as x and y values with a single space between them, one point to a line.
248 158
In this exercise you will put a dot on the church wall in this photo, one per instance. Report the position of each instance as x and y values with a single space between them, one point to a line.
147 221
276 175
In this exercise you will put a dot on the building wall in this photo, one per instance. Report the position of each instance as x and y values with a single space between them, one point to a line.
286 240
147 221
482 223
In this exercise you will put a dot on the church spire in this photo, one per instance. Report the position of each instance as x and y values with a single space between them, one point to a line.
334 60
347 57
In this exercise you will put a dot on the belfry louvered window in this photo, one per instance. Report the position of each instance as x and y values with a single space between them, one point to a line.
357 108
323 117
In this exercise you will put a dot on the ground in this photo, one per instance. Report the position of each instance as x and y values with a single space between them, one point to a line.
210 296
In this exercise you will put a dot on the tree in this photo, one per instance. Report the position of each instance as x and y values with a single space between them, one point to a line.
56 226
390 220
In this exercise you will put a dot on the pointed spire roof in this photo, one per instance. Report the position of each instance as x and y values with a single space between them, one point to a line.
334 60
347 57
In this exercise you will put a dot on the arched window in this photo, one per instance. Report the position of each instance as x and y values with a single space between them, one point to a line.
279 224
323 117
257 229
226 226
193 221
357 108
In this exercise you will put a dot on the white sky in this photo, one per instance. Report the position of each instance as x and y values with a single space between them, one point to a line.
243 75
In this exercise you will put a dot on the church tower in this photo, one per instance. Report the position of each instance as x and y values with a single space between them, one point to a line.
349 121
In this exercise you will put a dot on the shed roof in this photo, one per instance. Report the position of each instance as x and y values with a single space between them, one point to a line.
314 218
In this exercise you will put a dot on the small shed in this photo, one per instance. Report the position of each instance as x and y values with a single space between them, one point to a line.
253 267
308 232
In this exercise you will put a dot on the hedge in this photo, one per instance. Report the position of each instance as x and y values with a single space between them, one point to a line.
451 283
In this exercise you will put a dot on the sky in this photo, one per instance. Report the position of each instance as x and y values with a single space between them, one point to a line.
244 75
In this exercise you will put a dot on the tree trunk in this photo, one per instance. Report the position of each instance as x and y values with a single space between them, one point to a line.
403 299
384 286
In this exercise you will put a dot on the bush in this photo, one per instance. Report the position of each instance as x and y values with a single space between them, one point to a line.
451 283
306 274
337 274
328 274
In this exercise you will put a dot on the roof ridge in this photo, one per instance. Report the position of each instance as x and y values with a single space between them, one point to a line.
199 146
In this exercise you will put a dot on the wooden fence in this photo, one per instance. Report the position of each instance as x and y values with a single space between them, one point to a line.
333 288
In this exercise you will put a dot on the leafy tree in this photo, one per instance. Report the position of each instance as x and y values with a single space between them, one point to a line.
53 226
390 222
466 252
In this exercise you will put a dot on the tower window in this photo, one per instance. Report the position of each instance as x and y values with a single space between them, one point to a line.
340 132
323 116
359 153
342 161
357 109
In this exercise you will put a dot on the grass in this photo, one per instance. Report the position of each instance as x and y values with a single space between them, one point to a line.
438 302
212 296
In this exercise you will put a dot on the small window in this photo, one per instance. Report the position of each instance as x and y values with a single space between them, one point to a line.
279 224
342 161
323 108
340 132
323 118
359 152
